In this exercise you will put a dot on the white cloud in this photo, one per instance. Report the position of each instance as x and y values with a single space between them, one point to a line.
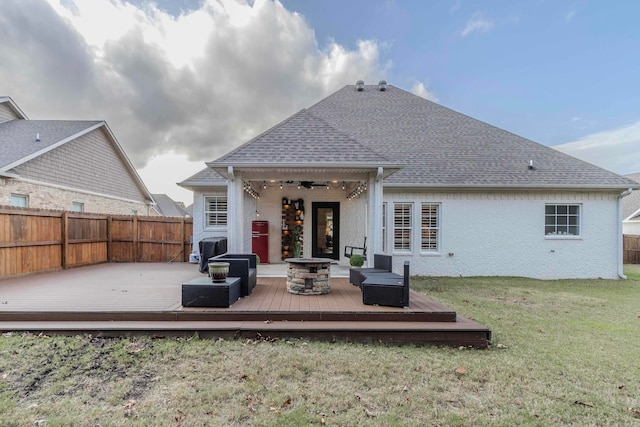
420 90
617 150
162 172
199 83
477 24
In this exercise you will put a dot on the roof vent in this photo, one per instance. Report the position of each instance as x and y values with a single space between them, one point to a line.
360 85
531 167
382 85
37 137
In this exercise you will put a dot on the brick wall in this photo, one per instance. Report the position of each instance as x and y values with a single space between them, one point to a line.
48 197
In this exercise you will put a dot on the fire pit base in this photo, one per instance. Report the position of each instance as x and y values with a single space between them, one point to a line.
308 276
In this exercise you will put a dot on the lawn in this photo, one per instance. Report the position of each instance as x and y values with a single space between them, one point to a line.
563 353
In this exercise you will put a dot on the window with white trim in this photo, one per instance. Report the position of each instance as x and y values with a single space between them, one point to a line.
561 220
215 211
402 226
20 200
77 207
430 227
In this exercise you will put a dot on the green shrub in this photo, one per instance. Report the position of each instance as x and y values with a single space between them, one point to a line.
356 260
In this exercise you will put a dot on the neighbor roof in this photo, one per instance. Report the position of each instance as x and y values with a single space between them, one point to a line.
19 138
433 146
13 105
631 203
166 206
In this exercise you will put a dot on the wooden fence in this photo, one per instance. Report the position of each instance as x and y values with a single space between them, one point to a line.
33 240
631 249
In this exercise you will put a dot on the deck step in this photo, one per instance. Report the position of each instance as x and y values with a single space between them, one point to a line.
212 315
464 332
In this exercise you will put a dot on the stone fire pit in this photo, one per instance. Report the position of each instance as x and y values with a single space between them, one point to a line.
308 276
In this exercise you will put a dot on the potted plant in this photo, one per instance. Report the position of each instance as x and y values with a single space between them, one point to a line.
218 271
356 261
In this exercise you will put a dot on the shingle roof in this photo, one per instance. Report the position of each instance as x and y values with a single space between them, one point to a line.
18 137
631 203
166 206
302 138
434 145
205 178
441 147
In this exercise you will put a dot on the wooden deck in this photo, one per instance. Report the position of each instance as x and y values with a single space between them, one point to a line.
120 299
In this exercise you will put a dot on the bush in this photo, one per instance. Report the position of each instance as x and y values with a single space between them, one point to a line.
356 260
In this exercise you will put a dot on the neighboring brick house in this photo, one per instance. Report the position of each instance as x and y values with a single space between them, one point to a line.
451 194
66 165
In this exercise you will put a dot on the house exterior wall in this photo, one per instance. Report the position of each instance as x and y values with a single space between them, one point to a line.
89 163
631 228
353 217
48 197
200 230
482 233
502 234
6 113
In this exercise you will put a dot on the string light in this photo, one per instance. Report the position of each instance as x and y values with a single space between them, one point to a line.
361 188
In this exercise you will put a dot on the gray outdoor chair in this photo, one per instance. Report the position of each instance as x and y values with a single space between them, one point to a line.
387 289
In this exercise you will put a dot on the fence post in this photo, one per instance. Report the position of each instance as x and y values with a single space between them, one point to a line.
65 239
134 238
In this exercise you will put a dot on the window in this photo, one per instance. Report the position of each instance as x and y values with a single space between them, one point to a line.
430 227
77 207
215 210
402 226
562 220
20 200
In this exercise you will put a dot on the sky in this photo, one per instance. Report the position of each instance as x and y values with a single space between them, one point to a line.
182 82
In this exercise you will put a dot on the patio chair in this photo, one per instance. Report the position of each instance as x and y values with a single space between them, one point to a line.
381 264
243 266
391 292
360 250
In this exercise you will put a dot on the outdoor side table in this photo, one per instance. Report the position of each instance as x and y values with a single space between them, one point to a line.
202 292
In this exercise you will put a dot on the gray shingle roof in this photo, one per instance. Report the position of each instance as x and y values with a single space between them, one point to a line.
205 178
302 138
434 145
441 147
18 137
166 206
631 203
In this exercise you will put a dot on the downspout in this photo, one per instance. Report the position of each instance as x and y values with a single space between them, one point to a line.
620 238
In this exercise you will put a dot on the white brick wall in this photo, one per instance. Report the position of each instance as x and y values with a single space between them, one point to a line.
502 233
487 233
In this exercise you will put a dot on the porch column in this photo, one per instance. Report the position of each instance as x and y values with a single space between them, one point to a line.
374 213
235 223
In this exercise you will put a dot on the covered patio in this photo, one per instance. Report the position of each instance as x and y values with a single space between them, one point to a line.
145 298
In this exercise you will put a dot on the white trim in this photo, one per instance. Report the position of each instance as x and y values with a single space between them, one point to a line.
14 106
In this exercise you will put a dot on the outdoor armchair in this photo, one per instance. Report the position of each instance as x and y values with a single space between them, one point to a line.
381 264
387 289
243 266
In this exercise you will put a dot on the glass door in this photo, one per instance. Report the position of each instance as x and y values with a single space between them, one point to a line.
326 230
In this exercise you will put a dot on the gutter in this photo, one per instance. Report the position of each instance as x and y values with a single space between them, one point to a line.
620 238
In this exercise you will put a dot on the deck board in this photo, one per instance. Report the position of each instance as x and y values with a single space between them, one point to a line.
145 298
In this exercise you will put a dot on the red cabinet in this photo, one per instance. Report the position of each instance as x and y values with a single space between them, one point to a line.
260 240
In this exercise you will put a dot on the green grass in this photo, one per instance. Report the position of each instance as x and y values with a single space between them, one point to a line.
563 353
